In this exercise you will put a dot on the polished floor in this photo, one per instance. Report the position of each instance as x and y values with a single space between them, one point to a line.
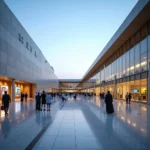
23 124
80 124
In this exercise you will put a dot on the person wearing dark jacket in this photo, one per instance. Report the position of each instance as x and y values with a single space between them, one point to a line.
109 105
38 101
6 100
43 96
130 96
22 97
26 96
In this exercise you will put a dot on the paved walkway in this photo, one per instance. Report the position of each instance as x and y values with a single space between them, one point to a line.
69 130
80 124
84 125
23 124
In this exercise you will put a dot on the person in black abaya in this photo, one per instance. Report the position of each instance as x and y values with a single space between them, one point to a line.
109 104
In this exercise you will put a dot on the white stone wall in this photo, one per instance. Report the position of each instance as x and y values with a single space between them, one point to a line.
18 62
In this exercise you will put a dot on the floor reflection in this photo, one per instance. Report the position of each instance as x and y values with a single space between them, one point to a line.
129 124
5 127
130 121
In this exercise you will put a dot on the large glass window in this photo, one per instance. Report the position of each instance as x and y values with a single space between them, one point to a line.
106 73
113 70
131 61
137 58
98 78
136 91
124 65
119 91
110 88
143 90
144 55
137 88
131 89
127 63
118 64
122 90
109 68
121 69
102 75
149 48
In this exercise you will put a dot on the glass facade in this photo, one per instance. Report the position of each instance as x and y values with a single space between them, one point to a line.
131 65
137 58
149 48
132 62
144 55
137 88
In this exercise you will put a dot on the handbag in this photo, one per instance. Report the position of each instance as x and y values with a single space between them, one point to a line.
2 107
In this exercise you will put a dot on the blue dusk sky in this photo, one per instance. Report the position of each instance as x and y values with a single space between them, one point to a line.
71 33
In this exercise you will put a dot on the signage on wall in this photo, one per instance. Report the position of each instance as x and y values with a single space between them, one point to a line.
21 39
17 91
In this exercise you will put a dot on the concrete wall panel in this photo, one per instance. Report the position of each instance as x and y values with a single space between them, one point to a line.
17 61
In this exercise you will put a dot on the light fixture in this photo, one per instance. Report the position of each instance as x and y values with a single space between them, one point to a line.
138 65
131 68
143 63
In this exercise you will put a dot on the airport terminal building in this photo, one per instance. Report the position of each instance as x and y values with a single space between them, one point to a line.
23 67
124 63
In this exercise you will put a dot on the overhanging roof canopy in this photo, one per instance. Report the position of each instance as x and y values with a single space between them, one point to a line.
139 15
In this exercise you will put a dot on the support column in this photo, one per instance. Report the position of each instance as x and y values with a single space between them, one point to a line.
148 90
115 87
13 90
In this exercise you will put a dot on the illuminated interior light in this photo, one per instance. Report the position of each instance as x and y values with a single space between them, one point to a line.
143 63
137 66
131 68
134 124
129 121
122 118
144 108
2 114
142 129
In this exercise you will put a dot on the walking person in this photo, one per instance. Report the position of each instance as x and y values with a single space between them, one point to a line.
75 96
43 96
22 97
130 96
38 101
127 98
6 100
109 103
48 101
26 96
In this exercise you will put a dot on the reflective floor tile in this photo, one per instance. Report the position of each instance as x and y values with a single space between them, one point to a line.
84 132
87 142
89 149
46 142
63 149
65 142
54 126
39 148
51 131
69 131
67 124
